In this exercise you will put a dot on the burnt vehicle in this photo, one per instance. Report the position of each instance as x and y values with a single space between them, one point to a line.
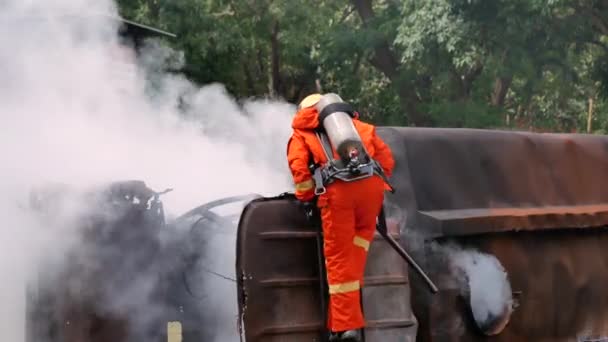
535 202
118 229
131 276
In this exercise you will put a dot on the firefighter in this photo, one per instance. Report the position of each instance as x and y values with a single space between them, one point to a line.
348 210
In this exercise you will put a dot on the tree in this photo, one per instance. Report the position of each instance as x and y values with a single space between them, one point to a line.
531 64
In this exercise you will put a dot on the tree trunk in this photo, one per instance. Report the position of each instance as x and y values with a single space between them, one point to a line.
248 79
463 83
424 85
261 67
590 115
501 87
385 61
275 59
318 86
469 78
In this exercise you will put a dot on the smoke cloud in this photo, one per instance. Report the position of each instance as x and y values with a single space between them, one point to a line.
489 290
479 277
78 108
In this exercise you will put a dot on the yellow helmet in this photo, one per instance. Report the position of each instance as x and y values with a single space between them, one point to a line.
310 101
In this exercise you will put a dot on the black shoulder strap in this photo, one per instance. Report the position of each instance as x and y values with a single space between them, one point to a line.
336 107
324 140
311 162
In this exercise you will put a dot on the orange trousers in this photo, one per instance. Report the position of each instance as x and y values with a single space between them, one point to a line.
348 213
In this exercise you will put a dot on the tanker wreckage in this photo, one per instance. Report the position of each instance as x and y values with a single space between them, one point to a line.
536 202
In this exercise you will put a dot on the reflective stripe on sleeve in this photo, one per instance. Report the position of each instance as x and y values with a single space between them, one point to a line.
305 185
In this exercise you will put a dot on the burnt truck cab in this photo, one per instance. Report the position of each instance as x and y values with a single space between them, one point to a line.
117 230
132 275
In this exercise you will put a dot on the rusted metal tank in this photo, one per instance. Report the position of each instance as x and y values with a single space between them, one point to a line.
537 202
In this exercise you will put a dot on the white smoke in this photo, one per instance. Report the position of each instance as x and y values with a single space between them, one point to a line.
74 111
489 290
479 277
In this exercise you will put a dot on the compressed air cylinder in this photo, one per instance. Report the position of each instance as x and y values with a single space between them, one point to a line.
340 128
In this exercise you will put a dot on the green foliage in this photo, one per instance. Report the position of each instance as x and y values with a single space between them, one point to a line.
459 63
465 114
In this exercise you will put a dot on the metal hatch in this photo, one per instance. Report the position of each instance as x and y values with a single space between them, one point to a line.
278 280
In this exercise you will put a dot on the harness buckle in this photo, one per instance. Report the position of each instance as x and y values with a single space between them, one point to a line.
320 181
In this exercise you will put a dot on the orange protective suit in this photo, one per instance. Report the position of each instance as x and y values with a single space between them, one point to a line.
348 213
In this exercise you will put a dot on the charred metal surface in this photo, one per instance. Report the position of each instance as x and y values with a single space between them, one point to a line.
118 234
277 273
537 202
386 295
279 280
463 169
125 245
118 243
558 277
476 221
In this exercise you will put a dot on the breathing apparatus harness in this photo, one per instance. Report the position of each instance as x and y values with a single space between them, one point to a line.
356 167
354 164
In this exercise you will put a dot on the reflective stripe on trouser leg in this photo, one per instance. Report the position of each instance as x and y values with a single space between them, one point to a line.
340 293
361 242
344 287
344 312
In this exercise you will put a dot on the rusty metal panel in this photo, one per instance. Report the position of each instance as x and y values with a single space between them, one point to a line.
476 221
558 280
278 273
279 296
447 169
537 202
386 296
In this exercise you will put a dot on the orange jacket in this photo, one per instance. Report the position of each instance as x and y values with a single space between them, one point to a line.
304 143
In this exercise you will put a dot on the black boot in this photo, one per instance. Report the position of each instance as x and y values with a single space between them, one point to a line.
334 337
348 336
